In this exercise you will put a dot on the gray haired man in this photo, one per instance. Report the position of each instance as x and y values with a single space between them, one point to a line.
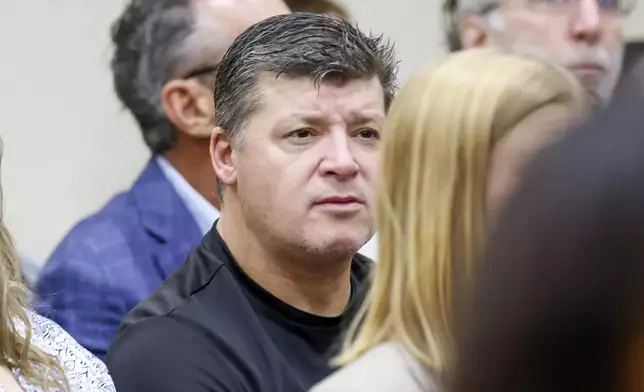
258 306
585 36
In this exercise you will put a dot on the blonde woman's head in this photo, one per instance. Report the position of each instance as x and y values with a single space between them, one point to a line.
456 138
16 350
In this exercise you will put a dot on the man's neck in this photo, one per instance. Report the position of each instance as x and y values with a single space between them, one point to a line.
192 160
323 289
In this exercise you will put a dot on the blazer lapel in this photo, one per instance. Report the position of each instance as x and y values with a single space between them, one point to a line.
165 218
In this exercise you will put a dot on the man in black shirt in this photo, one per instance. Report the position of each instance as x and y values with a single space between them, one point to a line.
260 305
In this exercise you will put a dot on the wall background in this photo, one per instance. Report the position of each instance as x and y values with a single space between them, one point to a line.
68 144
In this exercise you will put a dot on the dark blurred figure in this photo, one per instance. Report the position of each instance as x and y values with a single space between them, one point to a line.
633 52
633 55
327 7
559 301
165 54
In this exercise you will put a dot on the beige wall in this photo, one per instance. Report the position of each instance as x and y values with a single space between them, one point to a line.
69 146
634 26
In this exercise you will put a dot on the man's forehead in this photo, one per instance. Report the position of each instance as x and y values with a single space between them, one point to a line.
300 97
284 84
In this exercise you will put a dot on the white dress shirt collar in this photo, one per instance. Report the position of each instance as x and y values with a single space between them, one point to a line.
203 212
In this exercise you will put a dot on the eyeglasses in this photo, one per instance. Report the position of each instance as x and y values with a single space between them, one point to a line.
621 8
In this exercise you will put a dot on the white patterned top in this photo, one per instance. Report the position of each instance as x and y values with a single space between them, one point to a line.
85 373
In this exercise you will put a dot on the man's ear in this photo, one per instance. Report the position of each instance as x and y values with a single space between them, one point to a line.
473 31
221 155
189 106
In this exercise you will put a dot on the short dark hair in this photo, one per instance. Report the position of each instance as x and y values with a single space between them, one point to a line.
150 39
309 45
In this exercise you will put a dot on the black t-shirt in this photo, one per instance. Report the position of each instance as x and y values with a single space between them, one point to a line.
210 327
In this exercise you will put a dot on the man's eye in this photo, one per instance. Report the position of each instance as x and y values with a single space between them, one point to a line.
301 134
369 134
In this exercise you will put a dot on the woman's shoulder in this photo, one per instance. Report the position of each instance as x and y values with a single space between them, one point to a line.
387 367
84 371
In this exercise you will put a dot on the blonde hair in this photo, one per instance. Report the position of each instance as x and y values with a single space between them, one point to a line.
436 150
37 367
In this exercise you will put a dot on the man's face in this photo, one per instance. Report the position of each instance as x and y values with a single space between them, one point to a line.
308 162
577 34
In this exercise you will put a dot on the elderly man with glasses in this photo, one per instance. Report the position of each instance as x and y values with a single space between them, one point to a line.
585 36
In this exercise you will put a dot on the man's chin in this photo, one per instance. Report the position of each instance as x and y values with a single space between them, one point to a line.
341 246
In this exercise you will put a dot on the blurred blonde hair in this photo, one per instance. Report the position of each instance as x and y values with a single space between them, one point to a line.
35 366
436 149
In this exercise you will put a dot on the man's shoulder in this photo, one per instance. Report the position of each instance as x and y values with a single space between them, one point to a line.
202 297
94 267
163 353
153 352
200 270
146 334
194 337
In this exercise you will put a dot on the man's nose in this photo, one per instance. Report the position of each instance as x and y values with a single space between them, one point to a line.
339 160
586 22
